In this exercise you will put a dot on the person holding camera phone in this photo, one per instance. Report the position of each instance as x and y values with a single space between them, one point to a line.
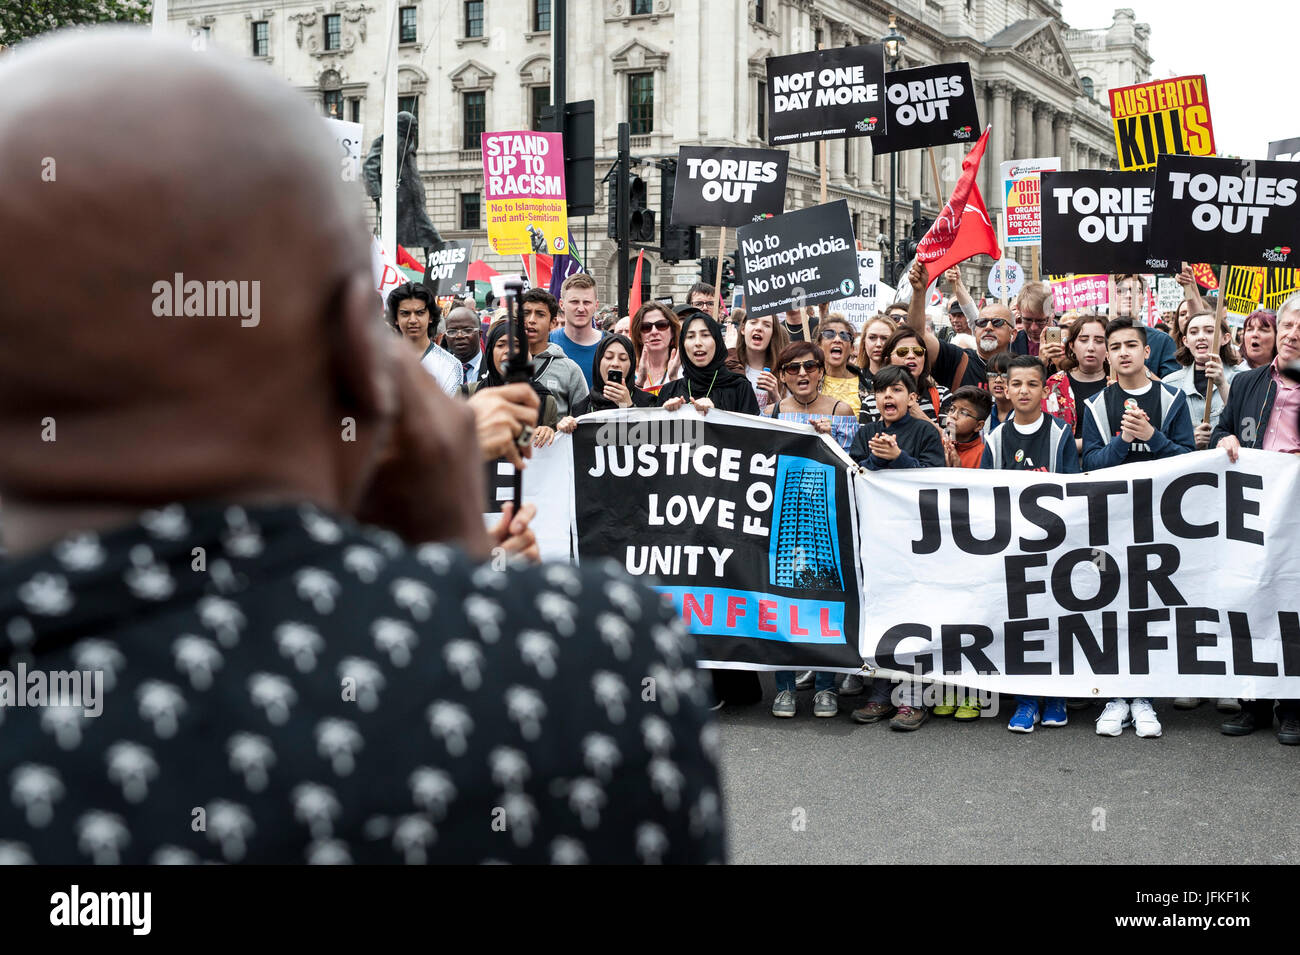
612 386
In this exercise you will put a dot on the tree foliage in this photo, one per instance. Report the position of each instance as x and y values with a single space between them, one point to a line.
29 18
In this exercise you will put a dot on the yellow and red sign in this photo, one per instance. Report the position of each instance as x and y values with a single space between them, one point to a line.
1166 116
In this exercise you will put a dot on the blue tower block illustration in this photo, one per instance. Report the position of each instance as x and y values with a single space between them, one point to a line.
803 552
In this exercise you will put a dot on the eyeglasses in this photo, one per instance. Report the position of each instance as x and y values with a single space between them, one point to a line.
461 332
962 413
996 376
829 335
1034 319
916 351
995 322
796 367
660 326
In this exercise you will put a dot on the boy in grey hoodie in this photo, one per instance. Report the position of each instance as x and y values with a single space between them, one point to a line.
552 369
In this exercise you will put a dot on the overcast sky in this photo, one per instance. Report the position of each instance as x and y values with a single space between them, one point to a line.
1244 48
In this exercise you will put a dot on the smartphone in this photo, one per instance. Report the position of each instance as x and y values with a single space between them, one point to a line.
1052 335
615 374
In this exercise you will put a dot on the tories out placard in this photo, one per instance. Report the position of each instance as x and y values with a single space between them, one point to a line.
719 186
1022 192
523 188
449 266
1164 116
826 94
929 106
797 259
1232 211
745 524
1095 221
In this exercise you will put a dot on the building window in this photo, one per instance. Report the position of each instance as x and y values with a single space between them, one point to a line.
641 103
469 207
759 12
354 109
261 39
641 8
849 149
817 39
762 110
474 18
475 116
541 15
409 104
857 225
407 30
539 99
334 104
1087 86
333 31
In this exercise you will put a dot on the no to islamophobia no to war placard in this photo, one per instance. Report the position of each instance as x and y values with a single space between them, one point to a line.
523 189
801 258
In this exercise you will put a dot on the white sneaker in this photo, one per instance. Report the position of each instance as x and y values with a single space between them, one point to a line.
1228 705
1145 722
1113 718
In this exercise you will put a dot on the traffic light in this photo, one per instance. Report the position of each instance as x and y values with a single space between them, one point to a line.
708 270
676 242
728 279
907 247
611 228
641 223
579 131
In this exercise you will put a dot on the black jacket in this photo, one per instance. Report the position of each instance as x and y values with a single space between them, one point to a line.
1250 405
918 441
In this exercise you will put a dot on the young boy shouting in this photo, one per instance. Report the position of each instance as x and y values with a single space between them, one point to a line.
898 440
1134 419
1031 441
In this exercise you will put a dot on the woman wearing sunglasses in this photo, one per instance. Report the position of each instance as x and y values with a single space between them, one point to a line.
843 379
654 330
906 348
802 367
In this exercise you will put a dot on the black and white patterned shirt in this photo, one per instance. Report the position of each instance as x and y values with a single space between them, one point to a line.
282 685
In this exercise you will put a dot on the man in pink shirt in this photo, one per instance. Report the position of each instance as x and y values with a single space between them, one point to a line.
1263 411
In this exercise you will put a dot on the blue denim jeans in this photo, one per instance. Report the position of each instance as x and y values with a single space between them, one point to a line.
825 680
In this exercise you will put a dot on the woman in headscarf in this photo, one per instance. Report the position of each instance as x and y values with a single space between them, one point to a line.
496 352
613 358
706 381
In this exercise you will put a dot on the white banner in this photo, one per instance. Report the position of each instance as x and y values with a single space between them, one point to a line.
863 307
1178 577
548 484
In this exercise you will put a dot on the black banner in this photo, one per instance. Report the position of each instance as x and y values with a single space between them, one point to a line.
1233 211
827 94
449 265
1285 150
797 259
1095 221
929 106
719 186
746 528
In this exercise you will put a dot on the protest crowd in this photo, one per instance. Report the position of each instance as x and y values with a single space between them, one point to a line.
337 552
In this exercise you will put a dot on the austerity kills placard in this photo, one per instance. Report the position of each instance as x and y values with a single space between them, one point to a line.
719 186
449 265
1244 289
745 524
929 106
1022 192
826 94
523 188
797 259
1165 116
1233 211
1096 221
1280 285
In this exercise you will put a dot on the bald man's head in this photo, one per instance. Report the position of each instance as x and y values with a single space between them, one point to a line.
127 162
994 329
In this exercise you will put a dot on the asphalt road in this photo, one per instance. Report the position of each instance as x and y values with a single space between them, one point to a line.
956 793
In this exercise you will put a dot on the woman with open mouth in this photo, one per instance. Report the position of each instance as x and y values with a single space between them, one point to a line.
761 341
1259 337
802 366
906 348
842 379
1204 373
706 380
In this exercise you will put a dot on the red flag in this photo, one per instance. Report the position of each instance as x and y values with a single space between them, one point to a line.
963 228
543 264
634 294
1204 275
407 259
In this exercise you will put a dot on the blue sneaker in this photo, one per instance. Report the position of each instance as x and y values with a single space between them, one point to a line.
1026 715
1054 711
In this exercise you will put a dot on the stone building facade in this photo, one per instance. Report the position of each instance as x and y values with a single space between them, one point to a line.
685 72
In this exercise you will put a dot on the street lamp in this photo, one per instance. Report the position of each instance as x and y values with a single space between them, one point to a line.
894 42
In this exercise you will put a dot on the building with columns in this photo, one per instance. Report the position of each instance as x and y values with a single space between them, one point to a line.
685 72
